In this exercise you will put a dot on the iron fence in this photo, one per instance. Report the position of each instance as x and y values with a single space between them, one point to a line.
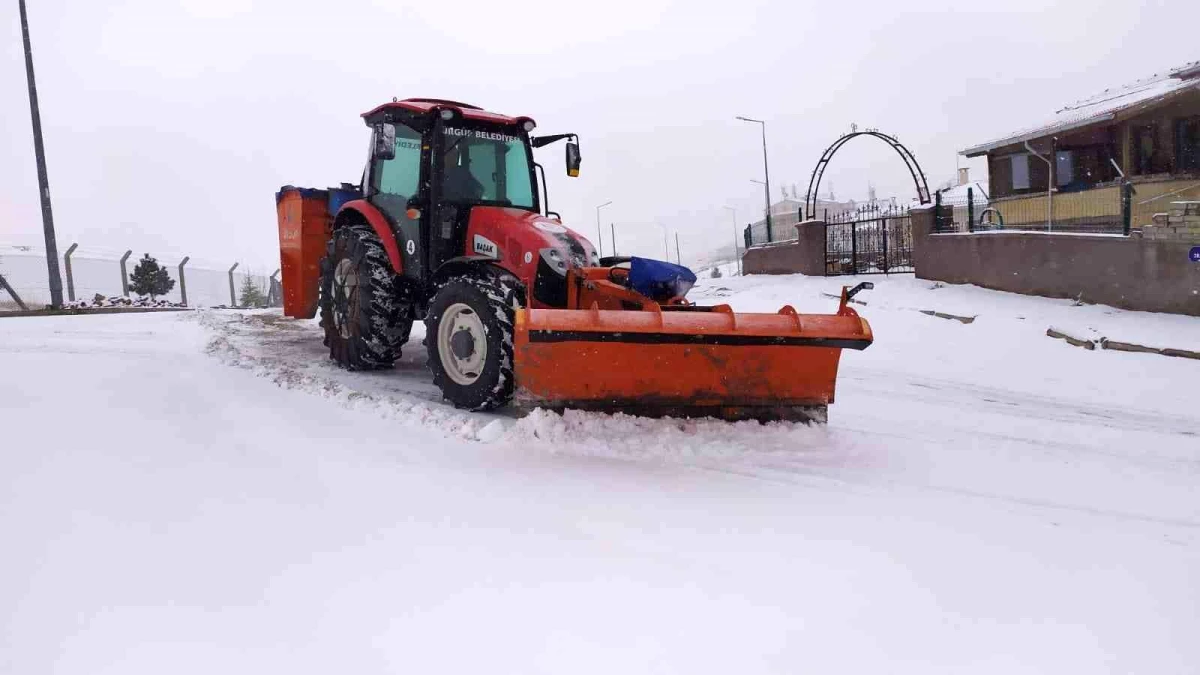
870 240
1099 210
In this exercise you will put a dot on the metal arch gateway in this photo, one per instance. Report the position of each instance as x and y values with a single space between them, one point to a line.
910 161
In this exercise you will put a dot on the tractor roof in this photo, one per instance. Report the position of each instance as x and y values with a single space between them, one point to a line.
424 105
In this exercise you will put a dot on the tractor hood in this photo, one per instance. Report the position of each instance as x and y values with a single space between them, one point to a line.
518 239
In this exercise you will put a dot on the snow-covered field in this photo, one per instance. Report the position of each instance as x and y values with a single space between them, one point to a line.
204 492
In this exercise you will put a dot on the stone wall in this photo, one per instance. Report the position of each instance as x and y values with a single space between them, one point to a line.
803 255
1181 223
1152 274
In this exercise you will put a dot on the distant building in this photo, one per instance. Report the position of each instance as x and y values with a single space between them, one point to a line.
968 200
786 214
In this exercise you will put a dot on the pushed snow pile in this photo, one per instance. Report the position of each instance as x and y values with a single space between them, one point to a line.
290 354
622 436
100 301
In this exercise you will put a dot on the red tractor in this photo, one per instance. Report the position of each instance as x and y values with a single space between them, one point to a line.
449 225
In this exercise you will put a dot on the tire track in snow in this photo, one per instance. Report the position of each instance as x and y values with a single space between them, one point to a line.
261 344
975 397
797 472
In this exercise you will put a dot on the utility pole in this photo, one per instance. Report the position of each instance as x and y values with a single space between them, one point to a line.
599 232
613 228
678 258
766 171
43 182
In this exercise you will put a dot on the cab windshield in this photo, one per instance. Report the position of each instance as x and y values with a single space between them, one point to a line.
486 165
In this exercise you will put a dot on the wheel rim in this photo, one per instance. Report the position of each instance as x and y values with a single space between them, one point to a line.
345 296
462 344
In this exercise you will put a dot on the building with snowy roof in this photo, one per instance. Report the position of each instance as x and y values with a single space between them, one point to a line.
1147 132
785 214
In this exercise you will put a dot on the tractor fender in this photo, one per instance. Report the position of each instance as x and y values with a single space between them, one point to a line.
379 223
462 265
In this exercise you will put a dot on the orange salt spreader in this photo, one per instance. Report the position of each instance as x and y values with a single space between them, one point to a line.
450 226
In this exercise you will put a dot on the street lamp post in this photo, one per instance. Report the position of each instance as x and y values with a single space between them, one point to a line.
733 214
599 232
766 172
43 182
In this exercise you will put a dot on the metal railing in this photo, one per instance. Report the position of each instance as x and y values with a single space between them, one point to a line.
1100 210
870 240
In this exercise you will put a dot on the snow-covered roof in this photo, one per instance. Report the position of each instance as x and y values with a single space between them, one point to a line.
1104 106
959 192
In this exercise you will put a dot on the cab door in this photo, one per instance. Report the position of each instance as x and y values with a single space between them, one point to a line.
393 183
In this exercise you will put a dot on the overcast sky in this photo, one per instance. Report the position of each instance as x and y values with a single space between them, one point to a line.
170 125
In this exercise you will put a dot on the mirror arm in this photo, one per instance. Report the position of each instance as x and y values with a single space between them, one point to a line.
539 141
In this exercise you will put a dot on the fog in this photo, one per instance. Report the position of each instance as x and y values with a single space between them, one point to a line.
170 125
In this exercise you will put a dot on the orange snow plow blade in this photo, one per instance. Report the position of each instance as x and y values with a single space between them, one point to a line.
684 362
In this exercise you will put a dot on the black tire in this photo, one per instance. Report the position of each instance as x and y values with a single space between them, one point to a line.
492 296
365 323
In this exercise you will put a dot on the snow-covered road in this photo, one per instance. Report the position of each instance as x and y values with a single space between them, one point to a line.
206 493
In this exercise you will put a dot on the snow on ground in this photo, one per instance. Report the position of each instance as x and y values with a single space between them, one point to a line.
206 493
728 268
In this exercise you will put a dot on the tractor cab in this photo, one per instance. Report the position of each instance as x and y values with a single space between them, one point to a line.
433 162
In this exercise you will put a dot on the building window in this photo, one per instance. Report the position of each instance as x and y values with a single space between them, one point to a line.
1020 172
1187 144
1145 149
1064 167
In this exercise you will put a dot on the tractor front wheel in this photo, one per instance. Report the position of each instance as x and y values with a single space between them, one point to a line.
469 336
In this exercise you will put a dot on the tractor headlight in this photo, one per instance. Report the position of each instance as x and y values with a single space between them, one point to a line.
554 260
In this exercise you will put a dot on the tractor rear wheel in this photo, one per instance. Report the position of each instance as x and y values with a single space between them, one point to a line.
469 337
364 322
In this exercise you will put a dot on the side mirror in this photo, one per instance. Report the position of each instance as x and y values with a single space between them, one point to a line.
385 141
573 159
